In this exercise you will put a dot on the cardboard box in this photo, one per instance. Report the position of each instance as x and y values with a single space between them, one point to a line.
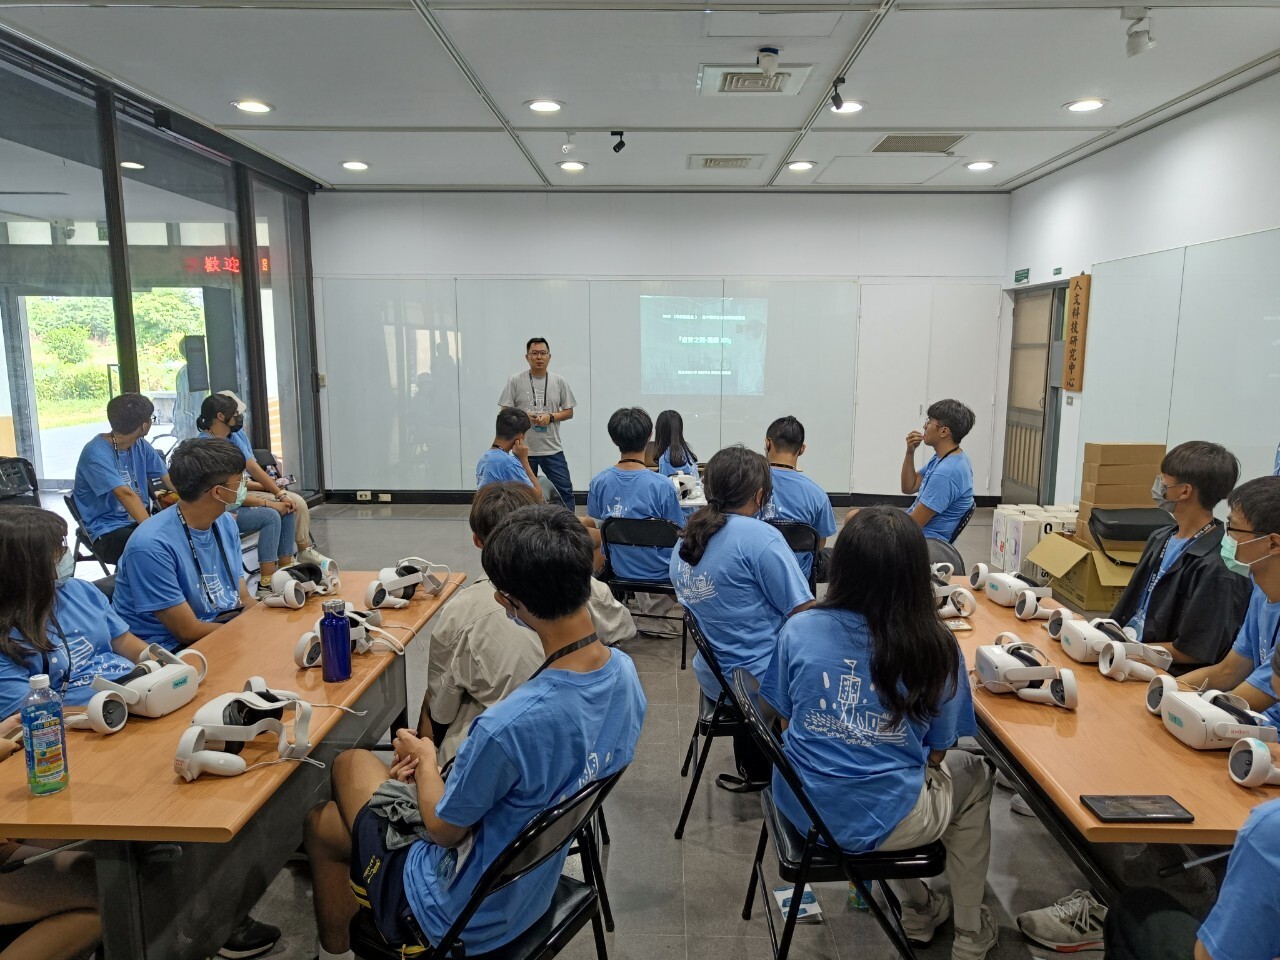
1080 574
1136 474
1123 453
1022 532
1116 494
999 520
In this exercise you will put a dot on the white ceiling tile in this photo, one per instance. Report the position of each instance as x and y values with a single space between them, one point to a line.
887 170
769 26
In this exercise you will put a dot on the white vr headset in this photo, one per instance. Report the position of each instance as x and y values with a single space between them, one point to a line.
222 727
1251 764
686 485
1057 619
365 637
291 585
1085 640
952 599
1211 720
396 585
1004 588
1012 666
160 684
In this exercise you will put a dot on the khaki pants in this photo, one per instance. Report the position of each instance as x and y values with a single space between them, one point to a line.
955 807
302 521
650 607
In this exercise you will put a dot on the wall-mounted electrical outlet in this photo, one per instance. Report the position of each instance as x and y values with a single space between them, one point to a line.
384 498
364 496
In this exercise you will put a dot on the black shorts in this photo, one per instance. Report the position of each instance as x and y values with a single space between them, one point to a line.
377 880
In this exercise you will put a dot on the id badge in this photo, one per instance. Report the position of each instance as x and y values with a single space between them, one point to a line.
537 412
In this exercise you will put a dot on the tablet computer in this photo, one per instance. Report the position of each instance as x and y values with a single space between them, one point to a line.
1137 808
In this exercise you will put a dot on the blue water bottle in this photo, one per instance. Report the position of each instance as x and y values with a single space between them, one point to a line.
335 642
44 739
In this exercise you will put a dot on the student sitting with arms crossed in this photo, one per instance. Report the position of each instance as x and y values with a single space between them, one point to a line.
795 496
944 488
478 654
576 720
739 578
507 460
632 490
180 576
874 693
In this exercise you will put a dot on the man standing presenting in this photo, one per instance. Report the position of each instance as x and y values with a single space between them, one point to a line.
547 399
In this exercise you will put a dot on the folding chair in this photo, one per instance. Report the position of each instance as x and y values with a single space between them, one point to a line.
82 539
716 718
626 532
573 905
942 552
816 856
964 522
802 538
107 585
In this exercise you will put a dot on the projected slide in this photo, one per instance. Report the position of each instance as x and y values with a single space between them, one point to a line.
695 346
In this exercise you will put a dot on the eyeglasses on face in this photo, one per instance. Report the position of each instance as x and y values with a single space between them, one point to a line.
539 353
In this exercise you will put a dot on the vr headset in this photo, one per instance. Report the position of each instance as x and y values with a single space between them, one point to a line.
1057 618
396 585
222 727
1084 641
1012 666
953 600
1251 764
686 485
160 684
292 585
365 637
1005 588
1211 720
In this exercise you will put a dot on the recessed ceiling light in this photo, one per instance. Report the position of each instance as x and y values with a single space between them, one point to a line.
132 165
252 106
572 166
354 165
800 166
544 106
979 165
1084 106
848 106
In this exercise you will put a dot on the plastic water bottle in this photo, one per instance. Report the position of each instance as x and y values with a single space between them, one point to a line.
335 642
44 738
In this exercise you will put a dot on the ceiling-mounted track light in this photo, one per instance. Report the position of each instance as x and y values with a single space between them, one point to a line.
837 101
621 144
568 145
1137 36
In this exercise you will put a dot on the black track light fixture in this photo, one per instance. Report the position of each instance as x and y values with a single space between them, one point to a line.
621 144
837 101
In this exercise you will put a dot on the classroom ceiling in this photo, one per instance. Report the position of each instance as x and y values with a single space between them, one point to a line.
433 94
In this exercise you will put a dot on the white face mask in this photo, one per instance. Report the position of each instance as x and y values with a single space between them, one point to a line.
66 568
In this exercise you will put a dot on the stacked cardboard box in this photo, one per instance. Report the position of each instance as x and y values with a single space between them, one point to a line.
1017 528
1116 475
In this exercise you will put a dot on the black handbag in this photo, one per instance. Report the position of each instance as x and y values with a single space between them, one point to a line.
17 478
1129 525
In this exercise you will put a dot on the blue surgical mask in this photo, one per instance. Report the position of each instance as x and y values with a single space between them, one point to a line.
1228 550
66 568
513 616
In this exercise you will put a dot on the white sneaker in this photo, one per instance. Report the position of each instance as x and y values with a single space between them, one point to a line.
1073 923
311 555
919 923
1020 806
976 944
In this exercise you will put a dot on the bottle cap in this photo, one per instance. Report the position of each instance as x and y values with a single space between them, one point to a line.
329 606
40 681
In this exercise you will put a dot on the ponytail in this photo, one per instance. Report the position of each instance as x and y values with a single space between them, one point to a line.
734 476
214 404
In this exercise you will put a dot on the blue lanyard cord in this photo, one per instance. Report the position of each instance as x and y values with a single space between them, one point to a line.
1155 574
66 649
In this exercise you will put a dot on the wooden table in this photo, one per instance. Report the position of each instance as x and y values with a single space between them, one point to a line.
1110 744
179 863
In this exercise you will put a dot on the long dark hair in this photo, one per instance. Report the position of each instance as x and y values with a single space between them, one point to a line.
668 438
733 477
31 541
880 569
214 404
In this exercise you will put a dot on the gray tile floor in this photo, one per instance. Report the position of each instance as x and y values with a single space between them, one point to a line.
678 899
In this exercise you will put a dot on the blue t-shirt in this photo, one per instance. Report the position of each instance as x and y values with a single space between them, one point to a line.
548 739
90 626
100 470
499 466
636 495
1172 551
158 571
946 488
796 497
862 775
741 592
665 468
1245 922
240 441
1256 641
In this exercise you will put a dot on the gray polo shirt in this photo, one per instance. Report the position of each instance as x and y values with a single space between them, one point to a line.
549 394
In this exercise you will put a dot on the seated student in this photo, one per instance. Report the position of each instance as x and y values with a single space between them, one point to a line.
739 578
795 496
630 489
180 576
113 476
577 719
944 488
673 453
874 693
507 461
478 655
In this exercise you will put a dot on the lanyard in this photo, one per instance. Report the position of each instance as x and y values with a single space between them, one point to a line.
565 651
546 386
196 560
133 480
632 460
1155 574
66 649
781 466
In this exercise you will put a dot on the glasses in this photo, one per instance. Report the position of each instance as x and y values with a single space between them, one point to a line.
1234 530
539 353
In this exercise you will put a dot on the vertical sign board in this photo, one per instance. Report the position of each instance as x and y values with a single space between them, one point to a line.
1077 325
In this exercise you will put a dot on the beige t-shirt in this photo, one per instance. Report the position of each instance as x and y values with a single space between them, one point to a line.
478 655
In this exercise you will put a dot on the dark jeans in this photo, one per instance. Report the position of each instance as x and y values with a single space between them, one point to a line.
557 470
110 546
1148 924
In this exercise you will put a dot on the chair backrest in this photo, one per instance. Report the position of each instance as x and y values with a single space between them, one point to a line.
942 552
964 522
628 532
107 585
265 458
746 691
709 655
544 835
801 538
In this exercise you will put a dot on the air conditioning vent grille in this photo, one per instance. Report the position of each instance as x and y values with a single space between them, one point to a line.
918 143
723 161
753 82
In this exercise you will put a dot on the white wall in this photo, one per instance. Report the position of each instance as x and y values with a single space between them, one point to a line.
1208 175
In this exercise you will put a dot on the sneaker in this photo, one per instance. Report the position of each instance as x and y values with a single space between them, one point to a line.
250 939
1004 782
264 590
855 899
1020 806
1073 923
976 944
919 923
312 555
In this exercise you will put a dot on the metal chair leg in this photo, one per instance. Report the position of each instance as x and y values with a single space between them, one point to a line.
602 951
891 924
756 866
797 895
697 776
604 828
591 865
684 643
688 756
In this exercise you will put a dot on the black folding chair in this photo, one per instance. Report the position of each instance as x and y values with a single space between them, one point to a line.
716 718
107 585
573 905
83 548
626 532
964 522
816 855
802 538
942 552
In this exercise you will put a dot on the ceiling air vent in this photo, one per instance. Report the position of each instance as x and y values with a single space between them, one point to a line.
740 80
918 143
709 161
